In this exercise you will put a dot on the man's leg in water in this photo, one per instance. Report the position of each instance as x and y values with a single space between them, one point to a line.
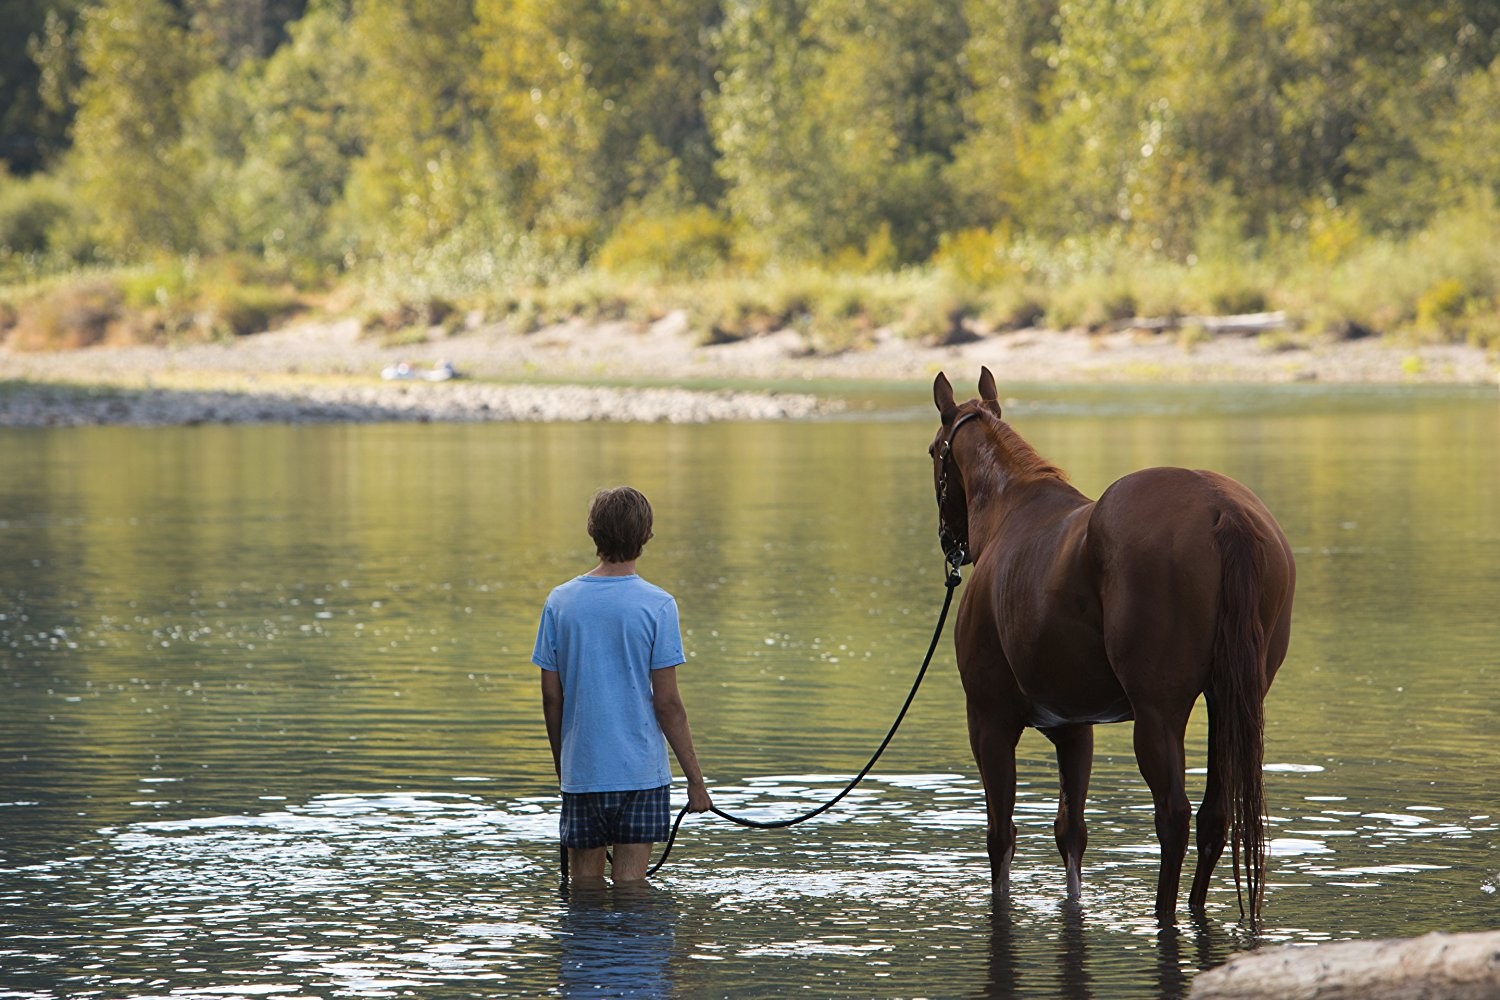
631 861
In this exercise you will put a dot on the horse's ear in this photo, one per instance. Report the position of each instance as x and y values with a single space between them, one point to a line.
987 391
942 395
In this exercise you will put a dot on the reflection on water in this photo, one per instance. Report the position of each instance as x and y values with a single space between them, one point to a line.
616 941
268 727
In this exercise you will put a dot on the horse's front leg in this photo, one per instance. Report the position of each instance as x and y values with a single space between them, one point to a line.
993 741
1075 762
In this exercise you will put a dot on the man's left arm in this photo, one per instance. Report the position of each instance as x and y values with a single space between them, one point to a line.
671 715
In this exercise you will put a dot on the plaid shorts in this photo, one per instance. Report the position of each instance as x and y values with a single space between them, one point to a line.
598 819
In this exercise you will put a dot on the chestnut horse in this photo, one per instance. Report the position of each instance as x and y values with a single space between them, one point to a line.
1174 583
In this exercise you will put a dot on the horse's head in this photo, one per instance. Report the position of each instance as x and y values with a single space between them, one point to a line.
953 505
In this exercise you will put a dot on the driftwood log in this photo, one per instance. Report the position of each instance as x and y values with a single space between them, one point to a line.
1432 967
1244 325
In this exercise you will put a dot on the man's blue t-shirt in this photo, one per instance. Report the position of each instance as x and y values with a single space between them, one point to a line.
604 635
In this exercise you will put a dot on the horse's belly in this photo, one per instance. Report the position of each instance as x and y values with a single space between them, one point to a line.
1044 716
1061 697
1065 676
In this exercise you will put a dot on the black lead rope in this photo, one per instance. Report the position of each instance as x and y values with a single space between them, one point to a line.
952 584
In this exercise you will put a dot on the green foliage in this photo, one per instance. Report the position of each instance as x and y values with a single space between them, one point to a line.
975 257
594 106
38 70
1441 307
773 152
1463 148
238 308
834 120
688 244
31 211
302 139
941 314
417 114
140 64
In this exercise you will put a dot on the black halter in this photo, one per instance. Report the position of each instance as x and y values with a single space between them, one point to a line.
955 551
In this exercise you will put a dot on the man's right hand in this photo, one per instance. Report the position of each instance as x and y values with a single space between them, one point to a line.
698 797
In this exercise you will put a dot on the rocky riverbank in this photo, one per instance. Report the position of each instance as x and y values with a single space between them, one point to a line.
308 401
331 372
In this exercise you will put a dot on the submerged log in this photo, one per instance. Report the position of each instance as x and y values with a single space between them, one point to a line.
1447 966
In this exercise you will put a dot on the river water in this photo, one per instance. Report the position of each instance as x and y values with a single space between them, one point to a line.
268 725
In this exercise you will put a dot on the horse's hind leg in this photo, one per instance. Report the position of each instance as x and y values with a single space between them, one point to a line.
1075 761
1213 830
1159 754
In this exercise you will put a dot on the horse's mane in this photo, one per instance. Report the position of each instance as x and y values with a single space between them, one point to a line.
1020 462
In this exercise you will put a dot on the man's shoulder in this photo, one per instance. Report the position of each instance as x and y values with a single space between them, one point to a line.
652 590
634 590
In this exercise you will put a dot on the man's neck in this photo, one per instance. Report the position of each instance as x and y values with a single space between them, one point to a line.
606 568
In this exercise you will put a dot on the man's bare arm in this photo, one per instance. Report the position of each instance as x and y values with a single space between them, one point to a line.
552 711
671 715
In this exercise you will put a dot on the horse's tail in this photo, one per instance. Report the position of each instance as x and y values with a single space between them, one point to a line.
1236 693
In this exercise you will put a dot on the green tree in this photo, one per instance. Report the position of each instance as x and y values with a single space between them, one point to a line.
836 120
891 92
36 77
1094 102
1207 151
1396 80
140 62
422 166
299 137
598 106
997 166
235 31
1463 149
774 150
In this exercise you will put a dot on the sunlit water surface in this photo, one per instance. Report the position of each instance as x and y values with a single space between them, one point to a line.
269 729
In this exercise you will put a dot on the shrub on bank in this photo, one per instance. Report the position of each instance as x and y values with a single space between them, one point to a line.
176 300
70 316
693 243
31 210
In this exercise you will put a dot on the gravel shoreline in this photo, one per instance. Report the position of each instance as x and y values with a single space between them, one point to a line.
70 405
322 372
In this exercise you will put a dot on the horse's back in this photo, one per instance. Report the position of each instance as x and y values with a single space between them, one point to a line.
1145 509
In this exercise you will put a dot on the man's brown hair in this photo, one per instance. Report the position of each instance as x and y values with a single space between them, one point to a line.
620 523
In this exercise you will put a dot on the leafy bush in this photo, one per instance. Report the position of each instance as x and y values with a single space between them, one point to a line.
166 285
1483 323
66 317
940 314
238 310
1442 307
30 212
974 256
1013 307
691 243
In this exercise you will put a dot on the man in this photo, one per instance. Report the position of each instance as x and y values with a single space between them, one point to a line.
609 646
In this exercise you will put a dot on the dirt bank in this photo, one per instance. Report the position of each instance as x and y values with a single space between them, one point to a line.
331 371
